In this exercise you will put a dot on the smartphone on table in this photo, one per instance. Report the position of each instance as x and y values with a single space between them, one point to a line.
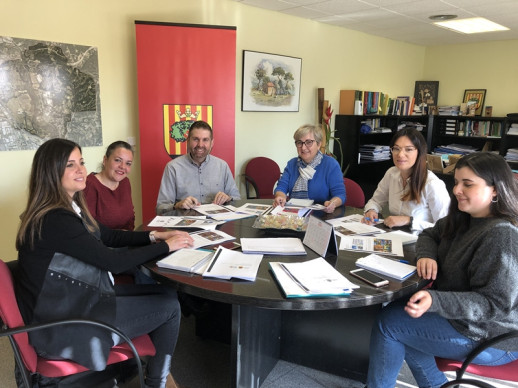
369 277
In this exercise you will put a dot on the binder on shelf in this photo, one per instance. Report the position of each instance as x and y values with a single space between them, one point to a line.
347 101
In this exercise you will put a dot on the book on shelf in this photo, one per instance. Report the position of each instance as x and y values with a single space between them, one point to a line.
273 246
347 99
389 267
187 260
228 264
311 279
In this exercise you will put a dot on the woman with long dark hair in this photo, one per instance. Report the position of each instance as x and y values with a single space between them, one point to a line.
472 257
415 196
66 265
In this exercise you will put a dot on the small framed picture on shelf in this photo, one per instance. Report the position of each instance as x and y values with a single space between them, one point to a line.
425 94
475 97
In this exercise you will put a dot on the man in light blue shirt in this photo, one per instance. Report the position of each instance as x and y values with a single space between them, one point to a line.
196 177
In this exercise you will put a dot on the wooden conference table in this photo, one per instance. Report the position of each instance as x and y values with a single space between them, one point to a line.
329 334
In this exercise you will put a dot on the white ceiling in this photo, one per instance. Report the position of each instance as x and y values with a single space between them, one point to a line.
402 20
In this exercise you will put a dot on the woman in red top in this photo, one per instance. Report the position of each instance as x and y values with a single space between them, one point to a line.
108 193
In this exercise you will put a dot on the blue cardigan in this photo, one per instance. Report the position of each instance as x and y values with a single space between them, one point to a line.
328 181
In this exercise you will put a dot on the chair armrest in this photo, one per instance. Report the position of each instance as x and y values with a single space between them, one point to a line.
472 382
483 346
28 328
250 180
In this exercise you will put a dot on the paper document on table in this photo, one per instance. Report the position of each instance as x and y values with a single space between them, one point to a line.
221 213
301 212
273 246
377 244
227 264
209 237
385 266
253 208
188 260
201 222
313 278
353 228
300 202
406 238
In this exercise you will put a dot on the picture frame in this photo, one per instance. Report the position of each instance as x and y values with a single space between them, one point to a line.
426 94
271 82
478 95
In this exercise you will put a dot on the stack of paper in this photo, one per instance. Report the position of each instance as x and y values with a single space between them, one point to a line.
387 267
311 279
188 260
273 246
227 264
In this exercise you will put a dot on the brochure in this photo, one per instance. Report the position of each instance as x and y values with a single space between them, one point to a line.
377 244
273 246
385 266
353 228
311 279
203 238
221 213
188 260
184 222
228 264
253 208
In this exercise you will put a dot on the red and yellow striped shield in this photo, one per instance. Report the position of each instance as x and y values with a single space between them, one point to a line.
177 121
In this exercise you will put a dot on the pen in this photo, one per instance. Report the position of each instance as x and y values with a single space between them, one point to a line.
375 220
214 260
404 261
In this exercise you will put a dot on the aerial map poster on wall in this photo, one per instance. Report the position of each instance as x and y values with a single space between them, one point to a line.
48 90
186 72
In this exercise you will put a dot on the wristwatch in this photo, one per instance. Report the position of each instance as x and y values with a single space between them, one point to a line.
152 237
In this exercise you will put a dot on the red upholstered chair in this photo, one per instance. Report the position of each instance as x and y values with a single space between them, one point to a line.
507 372
262 174
354 194
30 364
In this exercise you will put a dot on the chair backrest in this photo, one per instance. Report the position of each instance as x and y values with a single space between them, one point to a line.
354 194
10 314
263 173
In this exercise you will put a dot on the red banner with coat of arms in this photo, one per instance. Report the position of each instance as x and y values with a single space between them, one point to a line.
185 72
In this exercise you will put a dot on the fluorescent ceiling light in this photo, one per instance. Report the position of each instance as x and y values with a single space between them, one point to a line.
471 25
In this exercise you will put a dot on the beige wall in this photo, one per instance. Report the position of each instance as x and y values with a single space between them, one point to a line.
332 58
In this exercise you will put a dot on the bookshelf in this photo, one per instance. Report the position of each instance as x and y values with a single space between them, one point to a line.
348 130
482 133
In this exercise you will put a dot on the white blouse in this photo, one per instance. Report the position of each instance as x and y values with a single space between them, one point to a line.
435 199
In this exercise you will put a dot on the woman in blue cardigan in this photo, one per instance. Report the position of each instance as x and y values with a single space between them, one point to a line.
311 175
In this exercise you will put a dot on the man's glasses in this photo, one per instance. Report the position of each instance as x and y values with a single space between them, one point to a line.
397 150
308 143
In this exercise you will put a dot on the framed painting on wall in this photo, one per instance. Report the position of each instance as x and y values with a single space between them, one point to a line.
477 97
271 82
425 94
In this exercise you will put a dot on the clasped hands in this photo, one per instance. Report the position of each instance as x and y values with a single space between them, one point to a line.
190 202
421 301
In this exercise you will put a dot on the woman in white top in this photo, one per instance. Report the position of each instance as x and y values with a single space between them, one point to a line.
415 196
